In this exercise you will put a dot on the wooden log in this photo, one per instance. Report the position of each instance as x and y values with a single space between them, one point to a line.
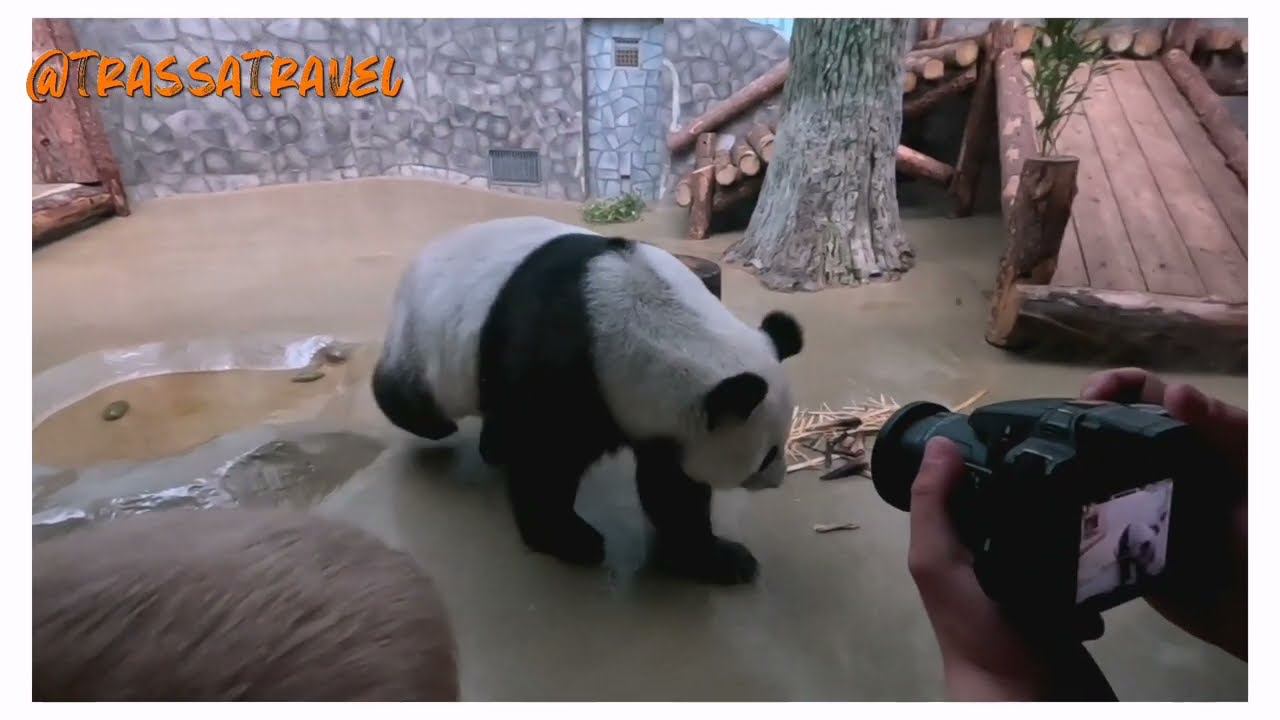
926 67
958 54
1038 219
53 214
684 191
1119 41
93 132
750 95
1142 326
1093 35
703 187
977 127
745 189
1220 181
760 138
1013 118
917 164
726 172
744 157
909 81
930 29
1211 40
1181 34
1146 43
1213 114
940 41
1023 37
929 99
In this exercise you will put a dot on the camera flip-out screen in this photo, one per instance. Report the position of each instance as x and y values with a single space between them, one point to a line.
1124 540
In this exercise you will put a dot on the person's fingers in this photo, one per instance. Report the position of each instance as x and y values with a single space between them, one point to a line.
1127 385
935 547
1225 427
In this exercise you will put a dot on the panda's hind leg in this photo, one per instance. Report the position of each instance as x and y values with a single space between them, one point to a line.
680 511
542 482
408 403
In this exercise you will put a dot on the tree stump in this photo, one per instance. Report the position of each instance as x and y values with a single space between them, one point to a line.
706 270
1037 220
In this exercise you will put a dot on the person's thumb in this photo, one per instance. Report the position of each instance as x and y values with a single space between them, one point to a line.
935 549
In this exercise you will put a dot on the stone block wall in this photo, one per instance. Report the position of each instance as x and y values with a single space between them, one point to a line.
469 86
626 140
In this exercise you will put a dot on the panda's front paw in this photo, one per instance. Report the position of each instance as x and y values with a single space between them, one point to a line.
717 561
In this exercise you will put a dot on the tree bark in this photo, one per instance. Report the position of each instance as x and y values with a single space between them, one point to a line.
828 212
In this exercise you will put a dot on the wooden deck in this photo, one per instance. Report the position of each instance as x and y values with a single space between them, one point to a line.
1157 245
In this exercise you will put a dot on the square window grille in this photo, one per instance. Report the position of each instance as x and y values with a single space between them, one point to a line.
626 52
517 167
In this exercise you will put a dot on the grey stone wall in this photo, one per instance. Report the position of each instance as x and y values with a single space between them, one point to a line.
625 136
469 86
714 59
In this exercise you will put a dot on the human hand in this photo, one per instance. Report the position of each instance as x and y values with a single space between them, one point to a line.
1207 595
984 655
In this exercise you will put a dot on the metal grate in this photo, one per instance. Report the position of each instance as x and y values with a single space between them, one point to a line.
517 167
626 52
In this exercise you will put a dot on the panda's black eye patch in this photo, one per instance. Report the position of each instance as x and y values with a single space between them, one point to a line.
773 453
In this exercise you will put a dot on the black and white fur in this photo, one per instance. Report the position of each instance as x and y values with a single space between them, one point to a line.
571 345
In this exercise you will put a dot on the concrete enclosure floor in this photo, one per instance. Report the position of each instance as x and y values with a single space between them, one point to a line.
832 616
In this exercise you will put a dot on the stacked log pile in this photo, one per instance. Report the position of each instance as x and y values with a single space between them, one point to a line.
1221 53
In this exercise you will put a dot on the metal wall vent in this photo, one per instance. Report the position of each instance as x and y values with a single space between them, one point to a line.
517 167
626 52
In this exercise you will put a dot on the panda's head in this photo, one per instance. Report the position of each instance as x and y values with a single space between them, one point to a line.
739 435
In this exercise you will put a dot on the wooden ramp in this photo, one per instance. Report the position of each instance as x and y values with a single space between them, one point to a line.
1155 252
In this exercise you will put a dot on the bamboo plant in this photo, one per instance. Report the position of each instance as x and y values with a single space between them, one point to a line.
1059 50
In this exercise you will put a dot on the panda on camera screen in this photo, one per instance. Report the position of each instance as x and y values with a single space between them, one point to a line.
571 345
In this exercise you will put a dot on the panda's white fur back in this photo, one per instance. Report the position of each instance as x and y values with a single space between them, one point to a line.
445 296
661 340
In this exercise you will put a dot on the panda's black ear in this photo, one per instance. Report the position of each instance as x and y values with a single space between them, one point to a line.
785 333
734 398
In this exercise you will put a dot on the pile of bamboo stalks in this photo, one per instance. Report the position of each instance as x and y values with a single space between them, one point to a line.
820 437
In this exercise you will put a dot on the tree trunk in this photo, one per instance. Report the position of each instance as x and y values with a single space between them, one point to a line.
828 212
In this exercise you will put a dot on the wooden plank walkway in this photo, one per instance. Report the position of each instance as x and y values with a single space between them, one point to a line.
1157 208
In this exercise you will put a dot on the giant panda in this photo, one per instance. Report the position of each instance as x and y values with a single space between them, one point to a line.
570 345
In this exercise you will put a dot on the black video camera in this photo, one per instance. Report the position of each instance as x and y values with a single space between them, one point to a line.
1068 503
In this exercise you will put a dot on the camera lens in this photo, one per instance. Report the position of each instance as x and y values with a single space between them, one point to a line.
899 447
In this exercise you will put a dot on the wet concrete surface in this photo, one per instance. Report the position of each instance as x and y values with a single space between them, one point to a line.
832 616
